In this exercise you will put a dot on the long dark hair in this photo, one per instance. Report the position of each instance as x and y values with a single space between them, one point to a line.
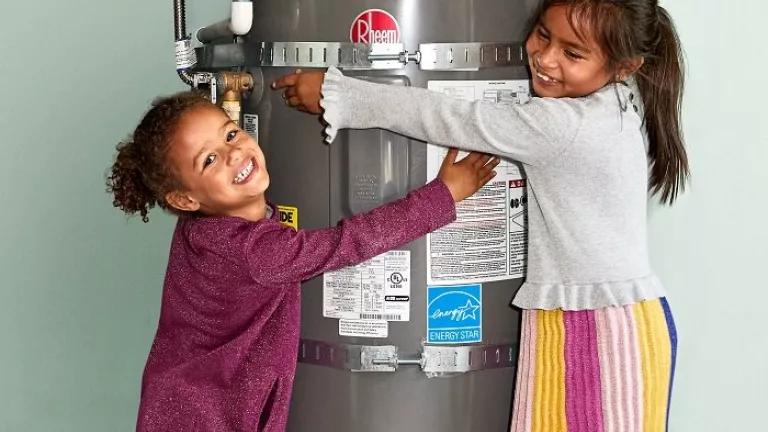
627 29
140 176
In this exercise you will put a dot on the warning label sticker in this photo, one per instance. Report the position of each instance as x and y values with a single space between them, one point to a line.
251 125
289 216
364 328
378 289
488 240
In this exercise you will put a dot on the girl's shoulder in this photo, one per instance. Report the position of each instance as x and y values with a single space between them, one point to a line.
608 103
613 96
223 234
605 98
208 223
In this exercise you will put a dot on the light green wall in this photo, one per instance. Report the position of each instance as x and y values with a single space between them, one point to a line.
80 286
711 248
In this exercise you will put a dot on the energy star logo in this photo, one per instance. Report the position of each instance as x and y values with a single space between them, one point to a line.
454 314
374 26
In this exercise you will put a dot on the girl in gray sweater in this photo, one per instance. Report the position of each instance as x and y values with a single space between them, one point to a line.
598 340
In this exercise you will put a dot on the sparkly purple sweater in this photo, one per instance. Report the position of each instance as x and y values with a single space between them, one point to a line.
224 356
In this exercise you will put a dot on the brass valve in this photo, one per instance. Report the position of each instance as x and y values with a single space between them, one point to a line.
234 83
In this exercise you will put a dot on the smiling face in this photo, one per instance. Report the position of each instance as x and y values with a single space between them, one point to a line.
220 167
562 63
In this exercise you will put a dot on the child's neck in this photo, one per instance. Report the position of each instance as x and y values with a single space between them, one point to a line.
255 210
259 211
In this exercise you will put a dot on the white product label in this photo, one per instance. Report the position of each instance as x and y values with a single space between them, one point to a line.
488 240
364 328
378 289
251 125
185 54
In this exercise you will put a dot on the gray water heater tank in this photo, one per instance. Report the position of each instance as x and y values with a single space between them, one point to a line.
409 380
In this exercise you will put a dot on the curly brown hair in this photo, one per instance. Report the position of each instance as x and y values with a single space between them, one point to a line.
140 176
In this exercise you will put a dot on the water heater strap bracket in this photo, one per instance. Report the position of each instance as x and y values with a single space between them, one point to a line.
470 56
467 358
356 358
353 56
434 360
344 55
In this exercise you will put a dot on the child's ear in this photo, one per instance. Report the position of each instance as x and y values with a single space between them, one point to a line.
628 67
182 201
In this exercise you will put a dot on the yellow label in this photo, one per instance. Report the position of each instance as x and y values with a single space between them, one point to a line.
289 216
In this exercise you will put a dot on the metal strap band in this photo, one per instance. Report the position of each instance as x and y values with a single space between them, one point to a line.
324 354
470 56
358 358
324 54
466 358
346 55
384 358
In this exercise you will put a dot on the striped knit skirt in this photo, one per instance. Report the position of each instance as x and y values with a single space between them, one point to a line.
605 370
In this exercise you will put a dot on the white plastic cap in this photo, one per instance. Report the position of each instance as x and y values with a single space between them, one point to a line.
242 17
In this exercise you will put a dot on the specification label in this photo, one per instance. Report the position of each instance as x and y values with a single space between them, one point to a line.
378 289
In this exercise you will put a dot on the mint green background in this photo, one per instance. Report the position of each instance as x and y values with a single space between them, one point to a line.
80 284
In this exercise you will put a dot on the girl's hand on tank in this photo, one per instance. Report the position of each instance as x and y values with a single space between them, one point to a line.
467 176
302 90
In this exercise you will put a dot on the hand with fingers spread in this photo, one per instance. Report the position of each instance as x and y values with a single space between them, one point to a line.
467 176
302 90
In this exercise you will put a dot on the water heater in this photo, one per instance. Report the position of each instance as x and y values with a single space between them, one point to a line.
422 338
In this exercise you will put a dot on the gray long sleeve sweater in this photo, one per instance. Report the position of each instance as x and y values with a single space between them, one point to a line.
587 168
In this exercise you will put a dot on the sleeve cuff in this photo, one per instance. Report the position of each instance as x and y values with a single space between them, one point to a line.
331 104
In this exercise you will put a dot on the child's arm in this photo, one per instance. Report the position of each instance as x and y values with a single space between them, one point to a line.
530 133
283 255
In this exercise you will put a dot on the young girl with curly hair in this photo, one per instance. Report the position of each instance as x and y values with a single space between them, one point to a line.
225 351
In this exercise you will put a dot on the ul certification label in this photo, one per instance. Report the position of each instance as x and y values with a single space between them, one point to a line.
378 289
488 240
454 314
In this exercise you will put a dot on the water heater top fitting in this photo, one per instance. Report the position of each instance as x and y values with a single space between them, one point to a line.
241 17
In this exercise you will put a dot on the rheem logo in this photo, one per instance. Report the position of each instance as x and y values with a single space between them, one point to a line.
374 26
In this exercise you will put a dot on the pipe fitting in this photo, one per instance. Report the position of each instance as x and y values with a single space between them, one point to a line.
239 23
231 105
236 81
185 55
234 84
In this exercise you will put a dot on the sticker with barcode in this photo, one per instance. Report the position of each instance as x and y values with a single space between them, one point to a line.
385 317
378 289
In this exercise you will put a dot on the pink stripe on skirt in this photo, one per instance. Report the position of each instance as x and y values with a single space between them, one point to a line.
583 403
522 412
